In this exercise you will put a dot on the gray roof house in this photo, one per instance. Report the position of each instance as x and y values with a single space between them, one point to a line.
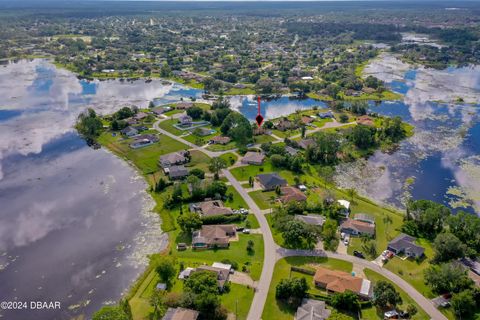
177 172
312 310
171 159
406 244
270 181
312 219
291 151
364 218
255 158
180 314
129 131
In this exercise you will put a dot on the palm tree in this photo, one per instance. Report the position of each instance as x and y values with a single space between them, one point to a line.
387 220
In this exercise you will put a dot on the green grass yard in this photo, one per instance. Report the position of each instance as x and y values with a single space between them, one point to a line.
146 158
264 199
277 310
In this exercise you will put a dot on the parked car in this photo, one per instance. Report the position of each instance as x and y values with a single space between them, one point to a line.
181 246
346 240
358 254
246 231
392 314
239 229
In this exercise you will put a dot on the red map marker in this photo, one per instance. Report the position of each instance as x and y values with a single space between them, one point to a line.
259 117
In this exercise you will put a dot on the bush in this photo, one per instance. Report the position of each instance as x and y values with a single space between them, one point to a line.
223 219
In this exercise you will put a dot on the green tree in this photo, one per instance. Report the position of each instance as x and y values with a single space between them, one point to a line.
448 247
237 127
216 164
346 301
428 216
329 234
363 136
292 290
202 282
157 301
89 125
463 304
447 278
195 112
385 295
189 222
166 270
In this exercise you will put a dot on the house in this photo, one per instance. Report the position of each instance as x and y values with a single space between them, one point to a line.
335 281
405 244
174 158
211 208
160 110
180 314
364 217
307 120
225 266
365 120
292 194
140 115
345 207
211 236
222 274
269 181
312 310
291 151
129 131
202 132
184 105
285 124
220 140
311 219
176 172
184 274
356 227
255 158
326 115
305 143
185 120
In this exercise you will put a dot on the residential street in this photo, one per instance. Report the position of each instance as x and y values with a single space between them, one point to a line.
273 252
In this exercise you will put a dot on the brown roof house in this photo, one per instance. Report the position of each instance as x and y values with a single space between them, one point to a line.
184 105
220 140
255 158
180 314
365 120
213 236
211 208
357 227
305 143
338 281
307 120
292 194
285 124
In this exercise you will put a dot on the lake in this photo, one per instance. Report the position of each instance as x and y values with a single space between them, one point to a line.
75 223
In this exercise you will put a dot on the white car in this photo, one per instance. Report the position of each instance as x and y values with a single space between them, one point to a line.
346 240
246 231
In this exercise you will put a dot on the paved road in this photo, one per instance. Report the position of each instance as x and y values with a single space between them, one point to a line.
423 302
272 252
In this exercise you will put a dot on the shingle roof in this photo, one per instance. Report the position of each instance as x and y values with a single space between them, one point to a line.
292 194
338 281
359 226
177 171
312 310
213 208
180 314
406 243
271 180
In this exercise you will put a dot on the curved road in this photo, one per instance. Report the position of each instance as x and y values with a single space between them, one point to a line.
273 252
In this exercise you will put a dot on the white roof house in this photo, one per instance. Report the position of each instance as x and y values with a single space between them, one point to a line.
222 266
344 203
186 273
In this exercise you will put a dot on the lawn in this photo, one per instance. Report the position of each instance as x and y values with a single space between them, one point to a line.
238 300
230 158
237 201
276 309
372 313
172 112
237 252
263 138
167 125
146 158
222 147
199 160
412 271
263 199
